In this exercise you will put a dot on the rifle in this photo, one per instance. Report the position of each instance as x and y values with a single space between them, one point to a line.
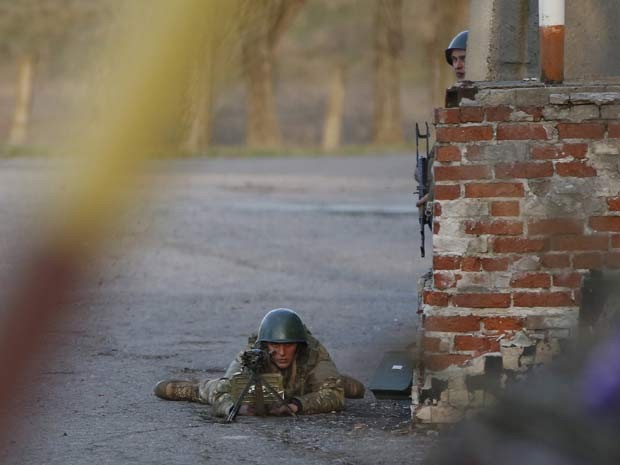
425 211
253 361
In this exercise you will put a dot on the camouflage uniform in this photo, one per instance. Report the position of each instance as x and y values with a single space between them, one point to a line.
312 379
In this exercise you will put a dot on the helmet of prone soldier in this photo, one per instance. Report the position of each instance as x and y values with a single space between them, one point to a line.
459 42
282 325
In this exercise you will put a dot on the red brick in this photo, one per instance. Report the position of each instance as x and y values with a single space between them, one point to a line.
473 152
446 262
477 344
448 153
436 209
452 324
536 112
531 280
543 299
499 113
579 242
498 227
613 204
470 264
615 241
581 130
518 245
546 152
521 131
576 169
458 173
431 344
495 264
578 150
443 280
605 223
500 323
439 299
588 261
613 130
464 134
449 192
472 114
447 116
567 279
612 260
505 208
496 189
555 260
443 361
523 170
480 300
555 226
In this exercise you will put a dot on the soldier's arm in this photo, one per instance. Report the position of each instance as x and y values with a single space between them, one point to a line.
324 388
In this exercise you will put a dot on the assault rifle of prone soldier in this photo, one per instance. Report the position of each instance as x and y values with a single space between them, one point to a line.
256 388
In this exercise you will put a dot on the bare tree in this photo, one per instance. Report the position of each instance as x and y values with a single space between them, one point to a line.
31 31
388 61
262 24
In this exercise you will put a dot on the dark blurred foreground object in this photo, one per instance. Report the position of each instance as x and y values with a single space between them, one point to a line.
565 414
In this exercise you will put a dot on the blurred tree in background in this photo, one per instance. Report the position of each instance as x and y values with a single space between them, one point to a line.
35 31
303 73
388 62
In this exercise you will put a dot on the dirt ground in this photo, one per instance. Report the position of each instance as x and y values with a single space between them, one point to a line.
208 247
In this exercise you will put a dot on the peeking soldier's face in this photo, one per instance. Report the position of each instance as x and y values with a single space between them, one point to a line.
282 355
458 63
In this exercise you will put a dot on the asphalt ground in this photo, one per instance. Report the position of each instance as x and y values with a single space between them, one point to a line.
207 247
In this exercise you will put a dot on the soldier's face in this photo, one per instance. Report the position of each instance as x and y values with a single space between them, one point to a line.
282 355
458 63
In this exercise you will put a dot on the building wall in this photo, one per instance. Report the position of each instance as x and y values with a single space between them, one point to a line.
527 203
503 43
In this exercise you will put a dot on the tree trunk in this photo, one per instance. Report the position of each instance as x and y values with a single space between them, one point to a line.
262 129
199 134
335 109
388 58
23 101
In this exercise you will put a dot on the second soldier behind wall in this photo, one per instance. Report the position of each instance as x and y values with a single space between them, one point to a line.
455 56
311 382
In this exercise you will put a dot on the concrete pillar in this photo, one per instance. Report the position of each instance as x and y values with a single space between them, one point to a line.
503 40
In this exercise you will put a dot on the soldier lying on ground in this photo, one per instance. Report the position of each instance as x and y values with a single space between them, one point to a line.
311 382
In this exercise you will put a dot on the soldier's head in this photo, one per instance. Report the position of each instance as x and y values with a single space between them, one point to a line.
281 332
455 54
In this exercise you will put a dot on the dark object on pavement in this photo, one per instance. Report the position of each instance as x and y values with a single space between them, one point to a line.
393 377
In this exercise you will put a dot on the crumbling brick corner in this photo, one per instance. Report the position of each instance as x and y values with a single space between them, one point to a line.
527 205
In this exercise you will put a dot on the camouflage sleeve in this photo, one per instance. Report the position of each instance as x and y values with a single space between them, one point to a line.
431 177
324 387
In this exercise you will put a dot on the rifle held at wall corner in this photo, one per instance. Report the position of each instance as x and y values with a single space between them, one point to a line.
425 215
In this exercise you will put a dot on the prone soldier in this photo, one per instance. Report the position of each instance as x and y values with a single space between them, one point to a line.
309 379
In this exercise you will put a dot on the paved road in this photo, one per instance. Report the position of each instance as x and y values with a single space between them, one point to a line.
206 250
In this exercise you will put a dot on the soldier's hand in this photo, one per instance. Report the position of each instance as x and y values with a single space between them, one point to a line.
247 410
281 410
422 201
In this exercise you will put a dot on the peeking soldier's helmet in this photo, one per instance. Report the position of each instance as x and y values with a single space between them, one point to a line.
282 325
459 42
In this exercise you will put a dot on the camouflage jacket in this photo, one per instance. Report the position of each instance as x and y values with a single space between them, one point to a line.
312 379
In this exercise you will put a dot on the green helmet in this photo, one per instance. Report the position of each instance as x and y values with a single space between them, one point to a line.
282 325
459 42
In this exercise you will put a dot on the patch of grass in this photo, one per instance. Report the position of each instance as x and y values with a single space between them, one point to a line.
13 151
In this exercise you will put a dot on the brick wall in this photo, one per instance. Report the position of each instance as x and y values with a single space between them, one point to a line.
527 202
